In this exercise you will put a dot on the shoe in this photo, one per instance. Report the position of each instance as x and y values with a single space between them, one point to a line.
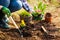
3 24
5 19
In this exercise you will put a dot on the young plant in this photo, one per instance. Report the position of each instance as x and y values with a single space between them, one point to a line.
25 15
41 6
39 15
22 24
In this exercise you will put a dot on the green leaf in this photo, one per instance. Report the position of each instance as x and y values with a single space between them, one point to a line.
40 6
44 7
35 7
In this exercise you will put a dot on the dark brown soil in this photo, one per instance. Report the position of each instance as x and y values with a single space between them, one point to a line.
53 29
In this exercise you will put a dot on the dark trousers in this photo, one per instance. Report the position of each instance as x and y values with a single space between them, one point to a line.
2 19
2 15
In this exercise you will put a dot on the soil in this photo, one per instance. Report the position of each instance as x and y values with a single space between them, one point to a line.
34 31
52 28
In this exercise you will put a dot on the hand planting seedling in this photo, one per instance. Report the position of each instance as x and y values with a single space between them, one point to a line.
26 16
38 15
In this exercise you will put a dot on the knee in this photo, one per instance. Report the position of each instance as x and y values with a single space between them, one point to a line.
15 5
5 3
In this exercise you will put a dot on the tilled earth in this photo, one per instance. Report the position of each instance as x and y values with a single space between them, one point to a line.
37 34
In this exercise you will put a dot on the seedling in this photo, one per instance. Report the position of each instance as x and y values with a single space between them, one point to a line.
16 26
39 15
22 24
26 16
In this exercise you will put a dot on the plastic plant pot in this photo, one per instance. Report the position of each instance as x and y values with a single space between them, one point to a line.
48 17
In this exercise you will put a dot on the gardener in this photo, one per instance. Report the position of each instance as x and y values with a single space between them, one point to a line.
18 4
13 5
3 12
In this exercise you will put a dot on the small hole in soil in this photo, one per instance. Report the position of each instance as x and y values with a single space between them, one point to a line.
26 34
42 30
49 36
37 34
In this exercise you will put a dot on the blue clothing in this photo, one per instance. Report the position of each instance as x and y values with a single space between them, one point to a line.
5 3
26 6
19 5
15 5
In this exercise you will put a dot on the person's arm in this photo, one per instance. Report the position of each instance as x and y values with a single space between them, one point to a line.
26 6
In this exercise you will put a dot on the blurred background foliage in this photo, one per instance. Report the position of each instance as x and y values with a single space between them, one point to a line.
51 4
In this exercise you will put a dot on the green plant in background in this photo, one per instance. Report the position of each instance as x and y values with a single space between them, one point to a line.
28 0
55 2
39 15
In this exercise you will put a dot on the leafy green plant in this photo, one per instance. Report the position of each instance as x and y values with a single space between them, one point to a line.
55 2
39 15
41 6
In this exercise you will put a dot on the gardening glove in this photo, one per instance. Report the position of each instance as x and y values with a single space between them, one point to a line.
6 11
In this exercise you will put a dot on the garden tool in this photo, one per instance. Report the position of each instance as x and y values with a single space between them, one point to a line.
45 31
7 13
16 26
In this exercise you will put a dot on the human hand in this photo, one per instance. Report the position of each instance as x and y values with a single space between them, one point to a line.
6 11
